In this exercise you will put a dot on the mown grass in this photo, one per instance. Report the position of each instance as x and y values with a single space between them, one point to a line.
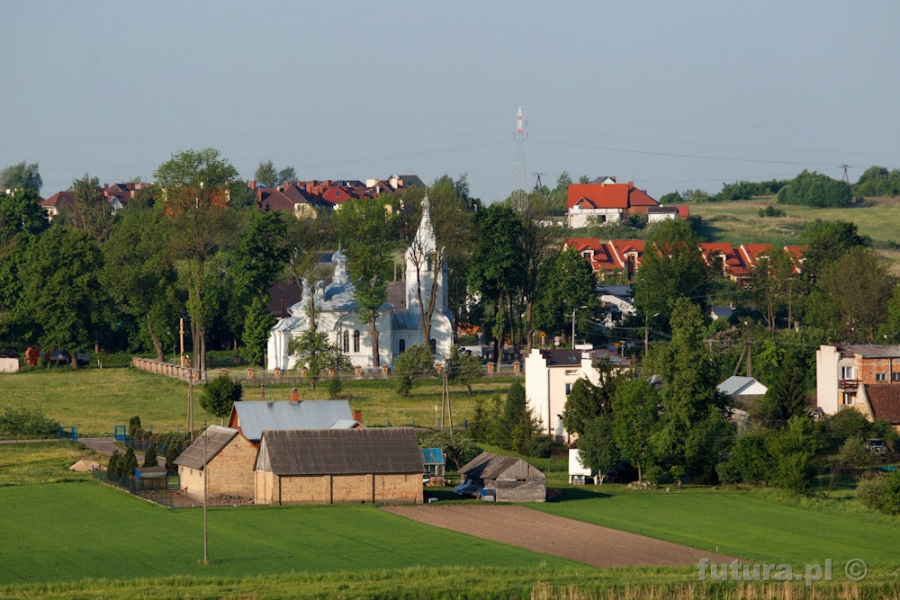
47 462
96 400
741 523
70 531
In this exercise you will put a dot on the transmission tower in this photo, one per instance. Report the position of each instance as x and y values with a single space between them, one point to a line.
846 177
520 135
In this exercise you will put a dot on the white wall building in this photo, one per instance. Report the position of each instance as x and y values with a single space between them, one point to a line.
549 375
337 310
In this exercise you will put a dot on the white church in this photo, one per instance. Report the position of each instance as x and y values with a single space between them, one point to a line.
399 327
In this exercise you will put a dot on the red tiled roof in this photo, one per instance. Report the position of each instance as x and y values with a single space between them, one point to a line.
603 259
59 199
885 401
274 199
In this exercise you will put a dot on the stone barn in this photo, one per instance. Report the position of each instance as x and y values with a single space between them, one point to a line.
230 458
513 479
334 466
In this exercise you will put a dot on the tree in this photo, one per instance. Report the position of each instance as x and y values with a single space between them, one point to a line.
140 277
128 463
21 176
171 456
826 242
286 175
816 189
636 409
567 285
20 213
793 450
90 210
258 324
856 316
366 230
672 268
219 395
308 239
196 184
316 355
786 398
516 428
597 444
62 297
772 284
266 174
416 362
494 271
584 403
261 255
112 467
150 459
463 368
481 424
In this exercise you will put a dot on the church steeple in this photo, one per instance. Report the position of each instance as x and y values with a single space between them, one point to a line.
424 241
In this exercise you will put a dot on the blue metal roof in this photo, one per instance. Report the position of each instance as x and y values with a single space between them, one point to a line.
432 456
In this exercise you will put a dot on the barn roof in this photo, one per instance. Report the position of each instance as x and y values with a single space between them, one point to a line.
491 466
214 438
885 401
255 417
340 452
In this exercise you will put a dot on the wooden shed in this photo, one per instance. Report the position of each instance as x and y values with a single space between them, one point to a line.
513 479
332 466
229 458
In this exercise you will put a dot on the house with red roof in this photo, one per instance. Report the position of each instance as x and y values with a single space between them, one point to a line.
722 256
52 205
613 257
605 202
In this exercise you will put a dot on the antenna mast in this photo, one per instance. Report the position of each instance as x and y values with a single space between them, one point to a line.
520 135
846 177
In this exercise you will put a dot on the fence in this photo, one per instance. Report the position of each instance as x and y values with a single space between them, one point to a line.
164 368
160 490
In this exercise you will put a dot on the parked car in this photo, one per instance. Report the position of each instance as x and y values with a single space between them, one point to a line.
879 448
83 358
59 357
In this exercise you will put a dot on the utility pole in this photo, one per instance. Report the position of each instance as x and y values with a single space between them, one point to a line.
181 322
190 410
205 476
846 177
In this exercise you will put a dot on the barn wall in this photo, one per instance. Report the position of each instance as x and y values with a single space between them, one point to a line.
399 489
264 488
353 488
338 489
231 471
305 489
191 482
519 491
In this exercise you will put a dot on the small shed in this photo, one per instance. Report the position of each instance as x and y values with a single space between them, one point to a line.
229 457
434 461
333 466
511 478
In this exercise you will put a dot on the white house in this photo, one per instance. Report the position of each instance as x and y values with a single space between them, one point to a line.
549 375
740 387
398 329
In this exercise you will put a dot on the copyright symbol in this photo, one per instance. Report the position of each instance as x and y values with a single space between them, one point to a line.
856 569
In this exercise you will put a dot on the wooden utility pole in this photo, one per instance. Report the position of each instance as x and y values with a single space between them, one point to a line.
190 409
181 332
205 477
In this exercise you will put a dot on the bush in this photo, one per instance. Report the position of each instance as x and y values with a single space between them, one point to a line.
150 459
27 423
112 467
817 190
881 493
219 395
334 387
171 455
134 423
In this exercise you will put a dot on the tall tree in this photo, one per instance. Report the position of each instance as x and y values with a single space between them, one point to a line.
672 268
773 285
21 176
62 294
261 254
91 211
257 326
567 284
463 368
827 241
308 240
286 175
219 396
636 408
366 230
494 270
196 184
140 277
266 174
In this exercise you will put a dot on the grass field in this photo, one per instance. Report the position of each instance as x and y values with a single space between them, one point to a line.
48 462
96 400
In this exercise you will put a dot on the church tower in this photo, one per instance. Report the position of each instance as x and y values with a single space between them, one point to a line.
421 270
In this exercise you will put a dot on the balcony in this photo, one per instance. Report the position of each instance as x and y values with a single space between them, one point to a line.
848 384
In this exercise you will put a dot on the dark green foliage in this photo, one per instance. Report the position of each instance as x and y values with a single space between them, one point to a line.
220 394
316 354
134 423
21 176
128 463
458 447
598 445
817 190
514 409
584 403
786 397
266 174
112 467
171 455
261 255
416 362
463 368
672 198
335 385
480 425
881 493
793 451
750 461
20 213
635 406
826 242
771 211
515 428
23 423
877 181
257 325
567 284
150 459
745 190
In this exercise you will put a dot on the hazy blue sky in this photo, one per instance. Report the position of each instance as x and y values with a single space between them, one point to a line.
673 95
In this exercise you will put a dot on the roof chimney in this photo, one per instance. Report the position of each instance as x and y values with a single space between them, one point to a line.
357 416
295 395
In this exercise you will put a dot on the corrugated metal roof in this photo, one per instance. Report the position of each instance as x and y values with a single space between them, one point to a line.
492 466
875 350
433 456
215 438
256 417
736 385
340 452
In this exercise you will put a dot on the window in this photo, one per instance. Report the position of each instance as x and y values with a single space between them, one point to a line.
571 371
880 376
849 399
433 344
568 388
347 341
337 194
895 376
356 341
402 346
846 372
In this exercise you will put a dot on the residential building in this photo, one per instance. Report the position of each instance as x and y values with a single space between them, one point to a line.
52 205
880 401
842 370
549 376
616 257
605 202
334 466
657 214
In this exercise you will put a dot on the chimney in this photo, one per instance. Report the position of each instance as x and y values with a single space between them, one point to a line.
252 185
295 395
357 416
105 187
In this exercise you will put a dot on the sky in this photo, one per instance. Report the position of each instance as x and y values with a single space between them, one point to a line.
670 95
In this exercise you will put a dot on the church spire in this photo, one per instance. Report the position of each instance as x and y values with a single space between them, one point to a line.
425 240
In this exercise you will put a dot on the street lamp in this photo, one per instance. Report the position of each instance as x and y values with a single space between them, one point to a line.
573 324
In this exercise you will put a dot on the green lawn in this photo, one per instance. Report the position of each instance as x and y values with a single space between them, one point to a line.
743 524
47 462
96 400
70 531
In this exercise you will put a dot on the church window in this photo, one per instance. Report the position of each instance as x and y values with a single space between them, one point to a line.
356 341
346 341
433 345
402 346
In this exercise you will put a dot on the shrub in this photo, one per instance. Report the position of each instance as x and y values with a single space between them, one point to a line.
112 467
334 387
27 423
133 424
171 455
150 459
881 493
128 463
219 395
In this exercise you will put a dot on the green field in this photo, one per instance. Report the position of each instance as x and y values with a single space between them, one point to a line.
47 462
96 400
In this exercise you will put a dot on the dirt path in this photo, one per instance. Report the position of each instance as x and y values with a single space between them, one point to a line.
558 536
104 445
